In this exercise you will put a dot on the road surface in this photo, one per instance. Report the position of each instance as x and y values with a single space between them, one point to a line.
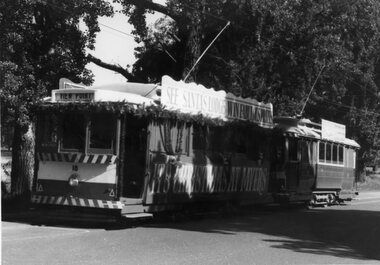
348 234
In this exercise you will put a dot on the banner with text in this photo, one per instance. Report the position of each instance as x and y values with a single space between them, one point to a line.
193 98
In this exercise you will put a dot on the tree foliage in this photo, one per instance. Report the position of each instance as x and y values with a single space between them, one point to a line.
273 51
40 43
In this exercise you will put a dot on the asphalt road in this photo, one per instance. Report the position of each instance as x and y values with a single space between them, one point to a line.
347 234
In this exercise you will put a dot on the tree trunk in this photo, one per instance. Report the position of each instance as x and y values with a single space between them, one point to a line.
22 164
192 52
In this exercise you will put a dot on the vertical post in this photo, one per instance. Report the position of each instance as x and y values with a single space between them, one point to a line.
117 147
88 134
121 157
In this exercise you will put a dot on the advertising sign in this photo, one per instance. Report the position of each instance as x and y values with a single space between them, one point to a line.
196 99
333 131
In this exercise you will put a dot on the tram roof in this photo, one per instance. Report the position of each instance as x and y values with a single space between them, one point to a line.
306 128
176 96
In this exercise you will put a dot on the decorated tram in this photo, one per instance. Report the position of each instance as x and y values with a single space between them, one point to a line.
137 149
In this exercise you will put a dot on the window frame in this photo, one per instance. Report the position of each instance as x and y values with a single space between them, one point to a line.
41 126
293 149
61 149
333 161
107 151
86 148
322 160
341 161
185 145
199 135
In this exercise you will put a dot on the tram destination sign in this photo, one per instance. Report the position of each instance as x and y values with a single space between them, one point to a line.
193 98
70 95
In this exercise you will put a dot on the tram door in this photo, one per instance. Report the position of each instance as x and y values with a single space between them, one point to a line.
293 162
134 156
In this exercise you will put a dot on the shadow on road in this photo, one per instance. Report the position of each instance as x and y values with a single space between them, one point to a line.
336 232
342 233
40 218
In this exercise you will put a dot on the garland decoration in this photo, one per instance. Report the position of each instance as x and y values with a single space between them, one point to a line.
152 112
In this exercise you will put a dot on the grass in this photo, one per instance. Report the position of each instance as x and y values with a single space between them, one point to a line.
371 183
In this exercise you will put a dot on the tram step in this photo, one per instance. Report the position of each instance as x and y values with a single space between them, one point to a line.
131 201
138 215
133 208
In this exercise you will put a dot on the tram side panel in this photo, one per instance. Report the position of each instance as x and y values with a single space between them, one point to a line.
335 172
204 168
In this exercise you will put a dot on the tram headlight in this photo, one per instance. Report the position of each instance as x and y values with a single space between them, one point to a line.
74 180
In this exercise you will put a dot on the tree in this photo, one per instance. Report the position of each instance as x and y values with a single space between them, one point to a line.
40 43
186 21
273 51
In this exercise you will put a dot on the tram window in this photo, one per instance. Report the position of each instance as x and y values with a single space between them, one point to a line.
47 131
180 136
240 138
102 132
322 152
293 150
253 146
256 145
199 138
340 157
216 139
229 144
305 151
331 153
335 154
73 132
328 153
186 140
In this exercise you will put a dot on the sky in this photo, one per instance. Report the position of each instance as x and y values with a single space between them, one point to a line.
113 46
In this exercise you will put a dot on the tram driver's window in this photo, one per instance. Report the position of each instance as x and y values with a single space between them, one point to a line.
73 132
102 133
47 132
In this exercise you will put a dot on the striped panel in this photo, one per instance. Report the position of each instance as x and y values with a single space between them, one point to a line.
78 158
78 202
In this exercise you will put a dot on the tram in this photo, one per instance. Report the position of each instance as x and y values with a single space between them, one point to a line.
319 154
137 149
